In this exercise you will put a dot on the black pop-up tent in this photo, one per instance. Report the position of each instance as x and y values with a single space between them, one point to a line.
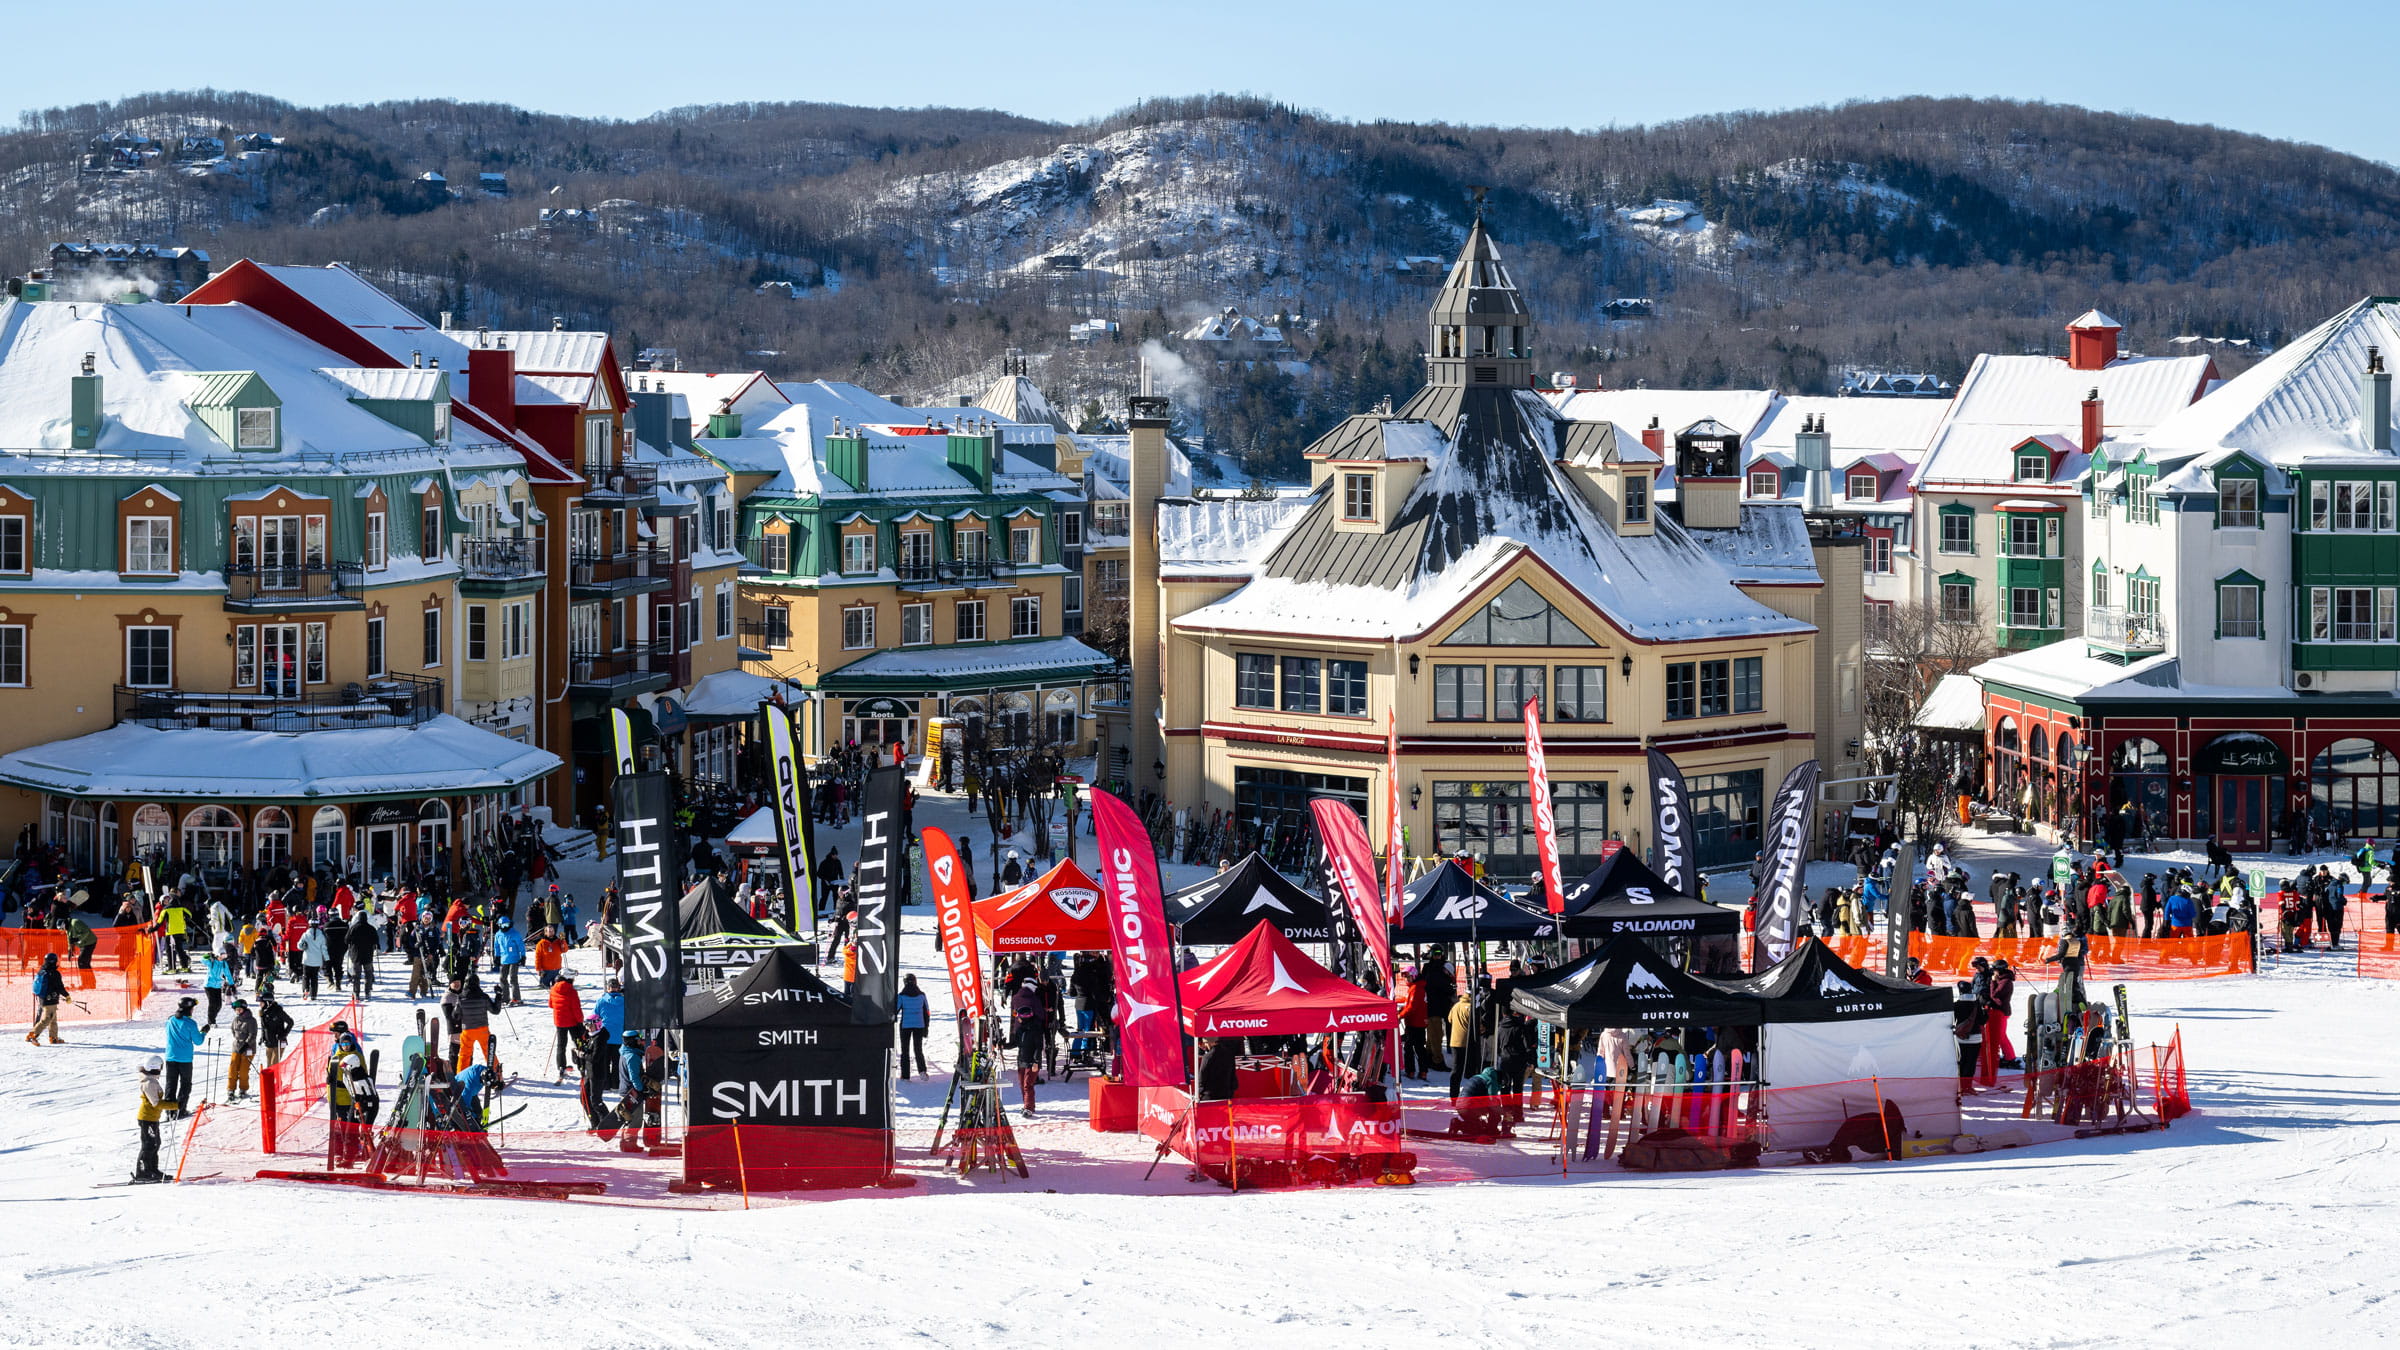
786 1092
1223 909
718 936
1626 984
1447 905
1623 897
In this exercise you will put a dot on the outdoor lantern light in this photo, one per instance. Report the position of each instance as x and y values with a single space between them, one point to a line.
1627 792
1626 664
1416 794
1159 767
1413 660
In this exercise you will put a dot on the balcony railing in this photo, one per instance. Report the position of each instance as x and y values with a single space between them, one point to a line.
643 665
592 568
611 479
389 700
268 584
2125 630
972 572
506 559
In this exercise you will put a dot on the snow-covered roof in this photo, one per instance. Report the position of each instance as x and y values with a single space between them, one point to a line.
1019 400
2092 318
1744 411
398 385
2067 669
130 759
547 351
2297 407
1856 426
1769 546
1108 462
902 458
1223 536
1232 325
154 361
2004 400
1955 704
984 661
737 693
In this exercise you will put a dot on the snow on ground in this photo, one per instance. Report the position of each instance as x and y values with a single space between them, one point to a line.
2263 1216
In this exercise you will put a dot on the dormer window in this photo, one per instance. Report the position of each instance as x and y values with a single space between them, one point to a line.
1637 499
1865 487
1766 483
1358 496
1449 342
2033 467
254 429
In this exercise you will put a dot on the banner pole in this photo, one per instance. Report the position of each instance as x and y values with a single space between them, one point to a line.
741 1165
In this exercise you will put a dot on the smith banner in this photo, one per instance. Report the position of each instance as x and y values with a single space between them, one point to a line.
952 893
1545 820
1671 831
1149 1016
788 798
1782 889
875 894
649 867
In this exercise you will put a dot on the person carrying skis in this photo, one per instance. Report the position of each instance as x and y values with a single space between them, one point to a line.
566 1020
245 1046
149 1109
183 1038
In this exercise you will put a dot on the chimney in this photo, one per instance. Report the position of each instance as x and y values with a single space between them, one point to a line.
653 410
1654 436
2094 425
1146 420
84 403
492 383
2375 403
1813 450
846 456
2092 341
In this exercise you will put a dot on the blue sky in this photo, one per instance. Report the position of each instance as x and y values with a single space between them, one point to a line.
2270 69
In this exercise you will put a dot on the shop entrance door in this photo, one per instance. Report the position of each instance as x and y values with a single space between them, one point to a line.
2242 812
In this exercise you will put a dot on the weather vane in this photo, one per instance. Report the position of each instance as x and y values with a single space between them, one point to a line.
1479 192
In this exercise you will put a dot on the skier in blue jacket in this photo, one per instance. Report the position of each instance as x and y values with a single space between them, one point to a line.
183 1038
508 953
2180 913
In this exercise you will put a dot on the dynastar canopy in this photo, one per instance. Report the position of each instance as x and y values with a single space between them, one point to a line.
1622 896
1447 905
1224 908
1265 986
1058 911
1626 984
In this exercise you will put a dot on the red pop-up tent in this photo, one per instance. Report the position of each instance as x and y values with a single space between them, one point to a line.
1058 911
1265 986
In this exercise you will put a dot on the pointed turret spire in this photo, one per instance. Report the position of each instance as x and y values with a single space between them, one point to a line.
1479 324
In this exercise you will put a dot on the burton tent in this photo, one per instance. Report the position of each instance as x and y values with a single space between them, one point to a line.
1622 897
1058 911
1265 986
1448 905
1626 984
786 1092
1223 909
1837 1041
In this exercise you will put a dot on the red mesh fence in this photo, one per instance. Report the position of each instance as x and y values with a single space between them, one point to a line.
111 989
2107 958
1249 1143
2379 954
291 1091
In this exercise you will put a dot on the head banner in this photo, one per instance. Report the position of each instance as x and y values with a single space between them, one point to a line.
787 800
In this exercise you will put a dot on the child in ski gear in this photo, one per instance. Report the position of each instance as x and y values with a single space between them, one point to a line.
49 990
245 1045
473 1020
274 1025
183 1038
149 1109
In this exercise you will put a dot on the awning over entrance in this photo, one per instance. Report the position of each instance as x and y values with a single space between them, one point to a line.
734 695
1955 704
442 756
937 670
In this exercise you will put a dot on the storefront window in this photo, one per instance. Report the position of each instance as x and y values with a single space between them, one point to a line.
1494 821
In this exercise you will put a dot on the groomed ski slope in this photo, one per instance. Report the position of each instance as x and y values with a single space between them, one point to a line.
2266 1218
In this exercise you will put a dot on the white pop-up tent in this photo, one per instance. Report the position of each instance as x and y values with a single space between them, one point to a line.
1835 1041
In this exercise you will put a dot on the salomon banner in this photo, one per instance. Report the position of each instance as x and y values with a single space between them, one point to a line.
1545 821
1148 1014
875 895
788 799
1350 858
954 921
1782 888
1671 831
1395 836
649 865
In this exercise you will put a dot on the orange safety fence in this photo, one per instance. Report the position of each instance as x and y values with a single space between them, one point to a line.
2105 958
111 989
1544 1131
2379 954
291 1091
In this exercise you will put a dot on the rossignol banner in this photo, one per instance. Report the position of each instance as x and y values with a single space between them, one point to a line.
952 894
1671 832
875 895
1782 886
1350 858
788 799
1545 820
1149 1022
1395 836
649 868
620 739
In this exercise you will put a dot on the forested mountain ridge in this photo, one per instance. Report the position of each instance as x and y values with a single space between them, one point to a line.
908 249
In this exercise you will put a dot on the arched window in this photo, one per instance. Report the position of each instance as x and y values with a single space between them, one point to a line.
433 831
1016 718
1058 716
2354 786
271 834
1518 617
111 856
2038 748
212 836
2005 735
153 832
973 726
325 838
82 824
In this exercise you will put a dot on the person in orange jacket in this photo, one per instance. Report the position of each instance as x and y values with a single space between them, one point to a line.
566 1018
1414 1014
549 955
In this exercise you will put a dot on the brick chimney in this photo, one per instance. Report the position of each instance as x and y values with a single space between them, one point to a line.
2092 341
492 383
2094 425
1655 437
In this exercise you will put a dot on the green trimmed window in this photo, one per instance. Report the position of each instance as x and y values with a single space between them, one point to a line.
2237 503
2141 504
1958 529
2099 585
1958 598
2240 606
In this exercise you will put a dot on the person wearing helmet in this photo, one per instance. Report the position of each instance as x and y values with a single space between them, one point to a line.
245 1047
566 1016
350 1087
49 990
149 1109
508 953
183 1039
